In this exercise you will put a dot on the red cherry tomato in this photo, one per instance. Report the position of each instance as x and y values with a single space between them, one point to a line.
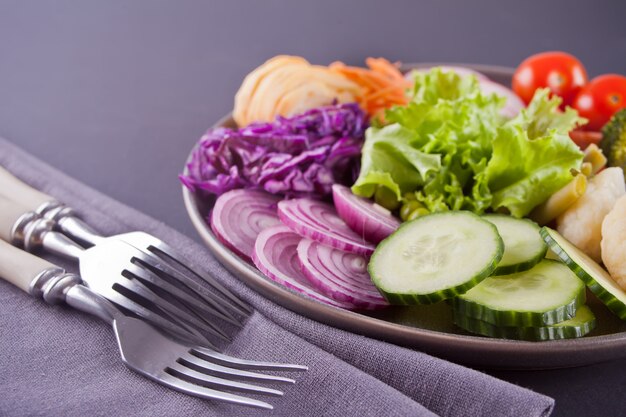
585 138
600 99
562 73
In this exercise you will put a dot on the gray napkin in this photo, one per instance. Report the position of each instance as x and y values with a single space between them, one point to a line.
55 361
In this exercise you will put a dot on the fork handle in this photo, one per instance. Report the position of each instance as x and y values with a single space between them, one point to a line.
43 279
17 190
34 200
10 214
21 268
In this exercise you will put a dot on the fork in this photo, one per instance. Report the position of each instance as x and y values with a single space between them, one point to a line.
193 370
126 276
173 263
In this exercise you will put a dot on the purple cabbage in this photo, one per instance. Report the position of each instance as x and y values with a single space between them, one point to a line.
300 156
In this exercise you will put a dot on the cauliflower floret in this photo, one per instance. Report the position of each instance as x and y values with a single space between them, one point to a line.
614 242
581 224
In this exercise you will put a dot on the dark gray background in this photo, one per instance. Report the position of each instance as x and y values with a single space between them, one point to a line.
117 92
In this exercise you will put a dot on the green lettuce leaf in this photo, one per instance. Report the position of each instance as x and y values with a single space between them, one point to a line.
436 146
389 160
450 149
543 115
533 156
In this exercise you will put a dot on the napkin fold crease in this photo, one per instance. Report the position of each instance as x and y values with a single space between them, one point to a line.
56 361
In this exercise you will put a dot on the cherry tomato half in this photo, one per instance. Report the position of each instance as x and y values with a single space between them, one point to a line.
600 99
562 73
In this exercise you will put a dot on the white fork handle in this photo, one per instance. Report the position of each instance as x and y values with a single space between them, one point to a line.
10 212
32 200
41 278
13 188
20 268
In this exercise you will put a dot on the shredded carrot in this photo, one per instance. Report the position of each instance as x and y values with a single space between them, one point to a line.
382 84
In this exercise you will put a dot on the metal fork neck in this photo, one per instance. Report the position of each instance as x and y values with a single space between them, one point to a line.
51 208
55 286
68 221
20 232
84 299
31 232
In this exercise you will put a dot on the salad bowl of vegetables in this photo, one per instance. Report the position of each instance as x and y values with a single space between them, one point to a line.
429 206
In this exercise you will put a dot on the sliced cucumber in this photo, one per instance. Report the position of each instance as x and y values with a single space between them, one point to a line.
523 245
544 295
551 255
597 279
435 257
581 324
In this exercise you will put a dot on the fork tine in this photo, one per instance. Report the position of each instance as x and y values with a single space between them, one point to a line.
207 393
210 380
140 289
202 307
206 366
247 364
151 261
172 254
186 332
189 328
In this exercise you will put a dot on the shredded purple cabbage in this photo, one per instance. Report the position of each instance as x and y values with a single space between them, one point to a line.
298 156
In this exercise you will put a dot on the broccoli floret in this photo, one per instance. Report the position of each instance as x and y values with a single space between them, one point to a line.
613 142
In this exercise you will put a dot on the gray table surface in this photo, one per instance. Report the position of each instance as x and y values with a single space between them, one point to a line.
116 93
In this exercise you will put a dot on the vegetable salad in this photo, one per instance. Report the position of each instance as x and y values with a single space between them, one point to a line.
327 163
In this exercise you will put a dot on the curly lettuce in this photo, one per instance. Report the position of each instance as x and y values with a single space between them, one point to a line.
390 160
451 149
533 155
437 146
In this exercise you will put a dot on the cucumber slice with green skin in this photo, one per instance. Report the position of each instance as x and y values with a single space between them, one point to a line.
435 257
523 245
551 255
597 279
544 295
581 324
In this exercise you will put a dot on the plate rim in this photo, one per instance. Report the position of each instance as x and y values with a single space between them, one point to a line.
465 349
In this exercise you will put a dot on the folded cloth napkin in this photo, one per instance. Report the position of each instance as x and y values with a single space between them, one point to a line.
56 361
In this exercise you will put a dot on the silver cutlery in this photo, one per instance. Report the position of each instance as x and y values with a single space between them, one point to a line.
193 370
170 261
124 275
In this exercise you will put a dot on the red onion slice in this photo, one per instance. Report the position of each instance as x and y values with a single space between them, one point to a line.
320 222
366 218
276 256
239 216
513 103
340 275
